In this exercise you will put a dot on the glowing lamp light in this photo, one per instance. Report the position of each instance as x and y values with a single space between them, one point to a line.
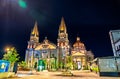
7 49
22 3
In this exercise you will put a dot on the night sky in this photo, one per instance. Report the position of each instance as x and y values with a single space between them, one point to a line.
91 20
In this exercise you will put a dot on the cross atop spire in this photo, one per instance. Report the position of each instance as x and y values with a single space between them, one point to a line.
35 30
62 26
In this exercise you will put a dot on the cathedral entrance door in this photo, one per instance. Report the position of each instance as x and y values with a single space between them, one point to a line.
41 65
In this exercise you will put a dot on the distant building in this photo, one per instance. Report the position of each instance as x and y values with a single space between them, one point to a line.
115 41
54 56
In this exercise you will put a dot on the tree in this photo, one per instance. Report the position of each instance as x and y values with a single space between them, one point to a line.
69 63
12 56
23 64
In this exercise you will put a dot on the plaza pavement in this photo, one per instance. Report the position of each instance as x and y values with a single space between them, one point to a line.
56 75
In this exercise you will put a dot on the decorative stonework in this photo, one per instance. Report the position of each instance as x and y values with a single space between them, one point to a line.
47 50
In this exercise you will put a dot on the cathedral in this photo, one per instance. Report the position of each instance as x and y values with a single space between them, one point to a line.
47 55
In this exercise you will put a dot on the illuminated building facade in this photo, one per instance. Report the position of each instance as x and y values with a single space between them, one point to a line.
80 55
55 56
32 44
48 53
62 44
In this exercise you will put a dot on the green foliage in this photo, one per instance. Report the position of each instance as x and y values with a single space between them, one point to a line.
23 64
57 65
53 63
69 63
61 65
85 68
11 55
45 61
95 69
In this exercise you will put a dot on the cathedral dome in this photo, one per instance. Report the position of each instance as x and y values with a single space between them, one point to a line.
78 43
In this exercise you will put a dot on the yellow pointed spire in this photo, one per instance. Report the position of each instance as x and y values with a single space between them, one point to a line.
62 25
35 30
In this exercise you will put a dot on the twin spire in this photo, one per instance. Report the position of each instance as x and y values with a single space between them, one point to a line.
62 26
35 30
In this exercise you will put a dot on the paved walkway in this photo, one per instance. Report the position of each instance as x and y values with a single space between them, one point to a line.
56 75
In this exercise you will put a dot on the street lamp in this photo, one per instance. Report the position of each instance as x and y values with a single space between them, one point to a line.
8 48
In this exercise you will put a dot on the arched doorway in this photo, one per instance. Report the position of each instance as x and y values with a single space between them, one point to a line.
79 65
41 65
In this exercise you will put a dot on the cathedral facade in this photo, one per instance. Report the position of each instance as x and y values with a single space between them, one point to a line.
55 56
